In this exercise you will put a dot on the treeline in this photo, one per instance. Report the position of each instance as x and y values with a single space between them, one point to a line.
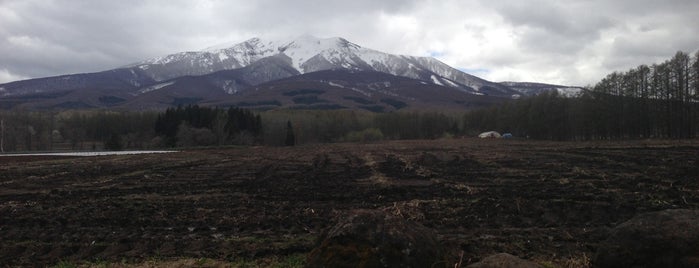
74 130
356 126
653 101
657 101
204 126
110 130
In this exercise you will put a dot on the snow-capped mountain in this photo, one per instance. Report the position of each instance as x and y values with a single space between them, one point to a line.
309 54
224 74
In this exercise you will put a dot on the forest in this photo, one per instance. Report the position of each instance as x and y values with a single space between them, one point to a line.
657 101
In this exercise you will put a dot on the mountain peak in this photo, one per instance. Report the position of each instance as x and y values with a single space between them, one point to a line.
235 68
252 41
308 53
305 41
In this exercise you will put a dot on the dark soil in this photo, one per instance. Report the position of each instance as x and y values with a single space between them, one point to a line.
543 201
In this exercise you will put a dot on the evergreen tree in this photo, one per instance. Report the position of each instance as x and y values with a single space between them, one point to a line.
290 137
113 143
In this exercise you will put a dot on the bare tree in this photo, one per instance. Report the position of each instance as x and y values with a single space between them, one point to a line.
2 136
219 126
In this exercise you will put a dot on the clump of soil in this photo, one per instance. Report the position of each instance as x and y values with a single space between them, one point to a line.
668 238
375 238
504 260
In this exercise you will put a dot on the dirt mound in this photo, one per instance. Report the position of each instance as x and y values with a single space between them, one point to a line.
503 260
668 238
374 238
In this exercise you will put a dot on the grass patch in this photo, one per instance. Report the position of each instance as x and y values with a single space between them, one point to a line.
296 260
287 261
64 264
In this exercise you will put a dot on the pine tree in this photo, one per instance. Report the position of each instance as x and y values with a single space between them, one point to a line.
290 137
113 143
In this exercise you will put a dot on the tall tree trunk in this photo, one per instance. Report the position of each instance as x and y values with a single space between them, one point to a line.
2 136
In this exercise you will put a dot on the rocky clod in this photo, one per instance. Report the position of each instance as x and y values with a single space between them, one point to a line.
376 238
668 238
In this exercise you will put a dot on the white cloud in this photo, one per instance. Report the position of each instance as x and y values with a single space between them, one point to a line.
6 76
567 42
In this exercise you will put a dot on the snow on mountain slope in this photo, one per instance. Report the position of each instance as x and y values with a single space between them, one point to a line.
310 54
253 62
531 89
205 62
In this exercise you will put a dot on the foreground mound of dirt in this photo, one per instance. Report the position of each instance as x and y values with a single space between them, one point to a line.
374 238
668 238
504 260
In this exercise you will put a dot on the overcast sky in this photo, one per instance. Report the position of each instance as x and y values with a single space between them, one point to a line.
551 41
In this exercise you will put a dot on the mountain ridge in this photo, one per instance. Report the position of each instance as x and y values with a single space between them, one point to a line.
222 72
309 54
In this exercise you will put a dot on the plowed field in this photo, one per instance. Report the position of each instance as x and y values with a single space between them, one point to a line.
549 202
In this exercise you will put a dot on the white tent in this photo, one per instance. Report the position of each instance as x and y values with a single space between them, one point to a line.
489 134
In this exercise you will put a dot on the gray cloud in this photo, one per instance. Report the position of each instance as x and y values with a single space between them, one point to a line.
554 27
571 42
